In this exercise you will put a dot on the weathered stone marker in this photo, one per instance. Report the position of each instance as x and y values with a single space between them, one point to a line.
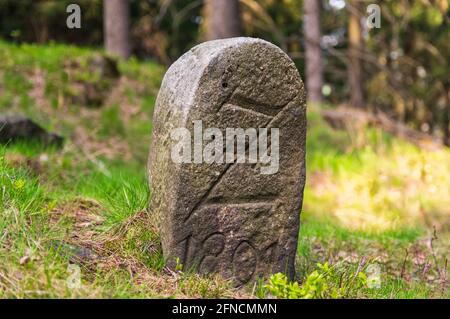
230 217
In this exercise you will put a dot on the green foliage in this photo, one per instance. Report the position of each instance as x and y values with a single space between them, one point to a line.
325 282
111 122
122 191
280 287
179 265
19 192
358 178
413 92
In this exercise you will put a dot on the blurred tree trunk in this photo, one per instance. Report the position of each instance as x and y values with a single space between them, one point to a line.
313 52
355 49
223 19
116 23
446 122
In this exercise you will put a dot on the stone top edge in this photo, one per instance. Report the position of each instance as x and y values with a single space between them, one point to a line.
222 44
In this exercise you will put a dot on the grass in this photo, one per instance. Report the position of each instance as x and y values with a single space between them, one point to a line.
370 198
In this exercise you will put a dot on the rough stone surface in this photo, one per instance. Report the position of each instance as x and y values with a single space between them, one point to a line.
229 218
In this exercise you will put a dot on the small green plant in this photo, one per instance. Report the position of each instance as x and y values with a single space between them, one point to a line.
324 282
179 265
280 287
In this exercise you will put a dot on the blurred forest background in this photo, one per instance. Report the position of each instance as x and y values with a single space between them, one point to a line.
401 68
375 221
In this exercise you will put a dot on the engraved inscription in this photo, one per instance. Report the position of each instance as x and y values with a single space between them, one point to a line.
227 217
212 247
244 262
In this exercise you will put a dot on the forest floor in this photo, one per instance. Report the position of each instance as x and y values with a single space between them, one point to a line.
373 204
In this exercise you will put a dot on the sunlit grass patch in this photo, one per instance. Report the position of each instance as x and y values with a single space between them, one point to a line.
379 199
61 81
404 259
123 193
101 226
380 186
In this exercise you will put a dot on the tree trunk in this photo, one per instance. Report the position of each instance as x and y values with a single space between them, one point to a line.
446 122
116 15
223 19
355 49
313 52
